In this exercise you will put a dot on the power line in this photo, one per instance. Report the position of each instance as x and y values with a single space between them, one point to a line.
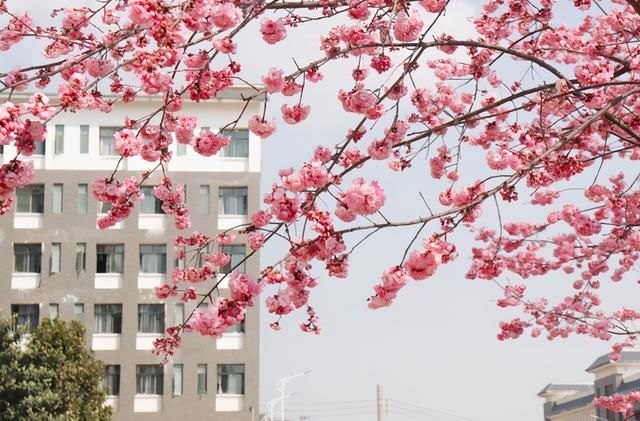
340 414
397 411
430 411
341 408
329 402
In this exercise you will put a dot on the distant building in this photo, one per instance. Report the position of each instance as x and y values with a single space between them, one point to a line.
56 263
574 402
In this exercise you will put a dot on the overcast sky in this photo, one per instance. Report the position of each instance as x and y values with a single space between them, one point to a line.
436 347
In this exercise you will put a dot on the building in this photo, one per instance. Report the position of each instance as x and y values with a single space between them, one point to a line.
60 264
574 402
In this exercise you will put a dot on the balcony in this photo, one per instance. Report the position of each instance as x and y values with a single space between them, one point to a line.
147 403
226 222
152 222
225 283
229 403
144 341
113 402
230 342
27 220
117 226
105 342
25 280
150 280
108 281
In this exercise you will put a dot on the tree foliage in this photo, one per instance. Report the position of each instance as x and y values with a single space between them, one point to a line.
49 374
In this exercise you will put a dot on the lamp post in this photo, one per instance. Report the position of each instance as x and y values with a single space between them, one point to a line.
281 385
271 404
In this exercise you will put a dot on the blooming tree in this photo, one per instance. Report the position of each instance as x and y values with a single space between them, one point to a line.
550 108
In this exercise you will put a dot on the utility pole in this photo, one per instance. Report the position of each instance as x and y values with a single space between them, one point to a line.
380 406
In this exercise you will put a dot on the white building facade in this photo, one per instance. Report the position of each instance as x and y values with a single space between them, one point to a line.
58 263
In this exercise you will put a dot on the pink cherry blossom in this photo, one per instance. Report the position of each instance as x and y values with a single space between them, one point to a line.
295 114
273 31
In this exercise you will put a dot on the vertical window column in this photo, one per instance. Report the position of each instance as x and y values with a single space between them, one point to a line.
59 139
54 310
58 198
177 379
81 257
83 198
205 200
56 258
202 379
111 380
78 312
84 139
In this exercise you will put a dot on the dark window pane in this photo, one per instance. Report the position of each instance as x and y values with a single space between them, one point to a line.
106 140
153 258
238 253
231 379
151 318
108 318
110 258
150 204
26 315
111 380
239 145
30 199
149 379
27 258
233 201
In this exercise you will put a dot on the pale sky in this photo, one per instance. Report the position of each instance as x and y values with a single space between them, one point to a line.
435 350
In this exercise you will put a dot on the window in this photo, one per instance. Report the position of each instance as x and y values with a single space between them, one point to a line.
110 258
1 149
608 391
106 140
238 253
111 380
181 149
108 318
179 313
28 257
239 145
57 198
231 379
151 318
81 257
204 200
40 148
233 201
202 379
238 328
104 207
54 310
56 257
59 140
78 312
84 139
83 198
149 379
31 199
150 203
153 258
177 379
26 316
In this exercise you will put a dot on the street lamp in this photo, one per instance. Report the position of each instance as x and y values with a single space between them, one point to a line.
281 385
271 404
